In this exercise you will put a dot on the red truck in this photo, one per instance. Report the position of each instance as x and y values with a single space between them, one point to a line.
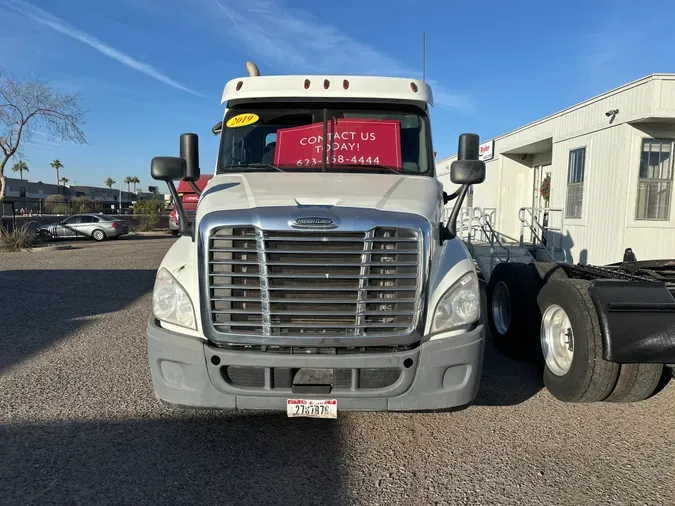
190 200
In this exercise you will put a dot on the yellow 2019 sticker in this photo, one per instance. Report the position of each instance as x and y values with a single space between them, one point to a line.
241 120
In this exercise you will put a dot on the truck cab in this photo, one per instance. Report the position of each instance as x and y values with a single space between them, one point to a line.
318 275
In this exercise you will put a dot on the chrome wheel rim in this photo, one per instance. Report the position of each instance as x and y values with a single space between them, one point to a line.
501 307
98 235
557 340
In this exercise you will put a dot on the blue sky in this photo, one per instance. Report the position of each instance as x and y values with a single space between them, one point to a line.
149 70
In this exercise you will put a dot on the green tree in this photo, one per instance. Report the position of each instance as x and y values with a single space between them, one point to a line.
135 180
65 181
128 180
109 182
148 213
20 167
55 204
30 105
56 164
81 205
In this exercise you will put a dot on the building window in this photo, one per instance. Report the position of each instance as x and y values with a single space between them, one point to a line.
655 181
22 191
575 183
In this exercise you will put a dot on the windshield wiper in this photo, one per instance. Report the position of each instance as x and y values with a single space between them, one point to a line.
375 166
254 166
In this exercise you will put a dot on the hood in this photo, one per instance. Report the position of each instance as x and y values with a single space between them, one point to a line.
388 192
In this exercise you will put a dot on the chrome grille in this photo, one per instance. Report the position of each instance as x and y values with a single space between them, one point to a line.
274 283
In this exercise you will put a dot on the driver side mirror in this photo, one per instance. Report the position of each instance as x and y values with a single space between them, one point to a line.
467 172
168 168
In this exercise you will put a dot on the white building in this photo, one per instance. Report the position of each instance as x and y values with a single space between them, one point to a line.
611 173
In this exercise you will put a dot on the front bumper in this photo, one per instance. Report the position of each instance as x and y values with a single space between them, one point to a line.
438 375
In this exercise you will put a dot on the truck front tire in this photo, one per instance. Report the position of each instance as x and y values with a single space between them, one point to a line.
513 315
588 378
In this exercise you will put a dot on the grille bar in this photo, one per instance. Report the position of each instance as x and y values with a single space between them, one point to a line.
325 252
314 276
315 313
264 293
312 326
309 263
329 238
270 283
341 301
345 289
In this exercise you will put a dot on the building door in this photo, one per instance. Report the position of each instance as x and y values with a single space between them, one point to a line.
539 203
541 172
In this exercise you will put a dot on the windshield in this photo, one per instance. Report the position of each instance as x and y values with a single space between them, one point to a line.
338 138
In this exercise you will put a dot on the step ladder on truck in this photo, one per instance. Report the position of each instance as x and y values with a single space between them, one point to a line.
603 333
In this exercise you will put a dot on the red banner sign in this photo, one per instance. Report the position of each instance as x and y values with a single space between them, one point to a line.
350 142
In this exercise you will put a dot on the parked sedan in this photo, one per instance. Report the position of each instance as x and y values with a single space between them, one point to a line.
96 226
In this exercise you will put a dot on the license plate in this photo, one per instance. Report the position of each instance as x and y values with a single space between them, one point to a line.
311 408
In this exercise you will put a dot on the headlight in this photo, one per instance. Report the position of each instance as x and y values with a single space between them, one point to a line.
460 305
170 302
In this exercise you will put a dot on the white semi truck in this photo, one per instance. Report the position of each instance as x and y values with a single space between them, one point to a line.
318 274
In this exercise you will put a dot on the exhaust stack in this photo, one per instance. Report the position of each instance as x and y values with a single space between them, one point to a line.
252 68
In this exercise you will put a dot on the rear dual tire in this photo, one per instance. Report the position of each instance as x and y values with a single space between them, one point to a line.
567 339
575 341
589 377
513 315
636 382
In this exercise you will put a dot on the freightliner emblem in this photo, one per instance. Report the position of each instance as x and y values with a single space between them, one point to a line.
314 222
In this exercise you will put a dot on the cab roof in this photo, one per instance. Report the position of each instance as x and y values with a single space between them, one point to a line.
334 87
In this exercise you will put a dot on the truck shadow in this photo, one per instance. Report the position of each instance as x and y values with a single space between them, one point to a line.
187 459
504 381
41 307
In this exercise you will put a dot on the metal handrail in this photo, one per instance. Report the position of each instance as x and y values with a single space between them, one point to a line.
539 231
493 237
476 222
465 222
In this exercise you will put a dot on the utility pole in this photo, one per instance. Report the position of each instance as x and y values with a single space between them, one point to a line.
424 56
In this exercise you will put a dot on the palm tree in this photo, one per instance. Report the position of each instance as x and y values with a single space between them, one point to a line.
135 180
20 167
65 181
128 180
110 182
56 164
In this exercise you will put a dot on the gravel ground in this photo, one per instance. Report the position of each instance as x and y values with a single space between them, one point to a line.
79 423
